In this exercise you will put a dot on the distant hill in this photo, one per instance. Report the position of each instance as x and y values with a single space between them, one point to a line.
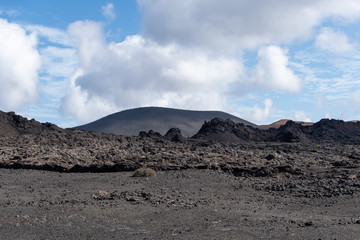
131 122
280 123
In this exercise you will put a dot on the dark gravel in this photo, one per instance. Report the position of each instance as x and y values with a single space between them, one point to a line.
189 204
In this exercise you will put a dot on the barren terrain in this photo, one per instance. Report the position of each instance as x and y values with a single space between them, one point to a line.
188 204
223 183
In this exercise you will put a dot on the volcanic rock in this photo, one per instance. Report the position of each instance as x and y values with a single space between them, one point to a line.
174 135
290 132
335 130
220 130
150 134
12 124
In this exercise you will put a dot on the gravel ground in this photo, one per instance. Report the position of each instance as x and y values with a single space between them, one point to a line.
182 204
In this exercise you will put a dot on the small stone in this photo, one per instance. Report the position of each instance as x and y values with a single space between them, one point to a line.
132 199
308 224
270 157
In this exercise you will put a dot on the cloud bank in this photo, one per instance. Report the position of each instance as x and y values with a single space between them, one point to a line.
138 72
233 24
197 64
141 72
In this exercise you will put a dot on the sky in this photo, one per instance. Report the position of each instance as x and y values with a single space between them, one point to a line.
73 62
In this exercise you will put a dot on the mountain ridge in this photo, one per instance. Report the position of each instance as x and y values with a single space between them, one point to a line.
331 130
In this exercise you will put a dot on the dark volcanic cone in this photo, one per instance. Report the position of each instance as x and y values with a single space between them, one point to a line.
131 122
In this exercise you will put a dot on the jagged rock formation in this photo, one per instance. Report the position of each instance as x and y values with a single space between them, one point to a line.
174 135
290 132
220 130
12 124
334 130
219 144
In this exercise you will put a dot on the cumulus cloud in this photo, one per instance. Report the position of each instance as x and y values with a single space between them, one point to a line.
333 41
195 64
140 72
19 65
272 71
301 116
239 23
90 42
258 114
108 11
85 107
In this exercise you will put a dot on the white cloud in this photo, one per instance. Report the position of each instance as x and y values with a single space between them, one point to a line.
108 11
230 24
52 34
140 72
90 42
333 41
19 63
196 64
301 116
260 115
9 13
86 108
356 97
272 71
355 100
58 62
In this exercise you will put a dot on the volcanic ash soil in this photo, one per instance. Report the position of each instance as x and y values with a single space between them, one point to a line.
185 204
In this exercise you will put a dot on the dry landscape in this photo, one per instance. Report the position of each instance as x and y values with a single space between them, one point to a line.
229 181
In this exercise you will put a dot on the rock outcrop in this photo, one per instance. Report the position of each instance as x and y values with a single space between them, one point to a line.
12 124
220 130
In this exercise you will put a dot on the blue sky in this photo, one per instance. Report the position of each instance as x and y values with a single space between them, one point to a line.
72 62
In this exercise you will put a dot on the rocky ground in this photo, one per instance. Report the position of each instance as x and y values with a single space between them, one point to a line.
72 184
184 204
